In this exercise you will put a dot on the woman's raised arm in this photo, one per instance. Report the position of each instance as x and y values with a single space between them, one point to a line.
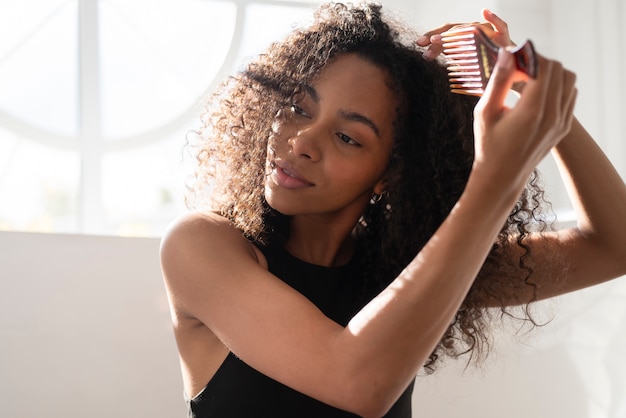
215 276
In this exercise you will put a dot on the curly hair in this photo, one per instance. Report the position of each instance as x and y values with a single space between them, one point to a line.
431 160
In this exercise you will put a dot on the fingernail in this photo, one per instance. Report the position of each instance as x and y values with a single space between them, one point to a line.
428 54
422 40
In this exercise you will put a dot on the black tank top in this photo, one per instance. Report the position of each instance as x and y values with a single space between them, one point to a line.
239 391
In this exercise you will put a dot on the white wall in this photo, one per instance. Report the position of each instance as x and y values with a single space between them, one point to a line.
572 367
85 326
85 329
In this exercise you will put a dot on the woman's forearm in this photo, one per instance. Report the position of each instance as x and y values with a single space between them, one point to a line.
596 190
414 312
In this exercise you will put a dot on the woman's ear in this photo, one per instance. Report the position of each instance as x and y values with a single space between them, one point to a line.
381 186
390 177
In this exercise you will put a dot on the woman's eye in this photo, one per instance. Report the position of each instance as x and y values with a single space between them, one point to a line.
298 110
345 138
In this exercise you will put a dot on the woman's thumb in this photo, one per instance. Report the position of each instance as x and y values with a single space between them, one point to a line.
500 82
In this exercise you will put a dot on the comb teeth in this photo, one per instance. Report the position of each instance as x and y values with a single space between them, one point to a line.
470 57
466 60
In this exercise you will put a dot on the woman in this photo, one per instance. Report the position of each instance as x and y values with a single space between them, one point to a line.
363 218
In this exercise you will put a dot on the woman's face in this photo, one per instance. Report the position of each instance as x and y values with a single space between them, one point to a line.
332 145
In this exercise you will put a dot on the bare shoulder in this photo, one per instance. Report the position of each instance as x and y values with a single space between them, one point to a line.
197 246
210 231
204 235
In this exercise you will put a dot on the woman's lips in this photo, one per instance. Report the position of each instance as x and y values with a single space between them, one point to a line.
286 176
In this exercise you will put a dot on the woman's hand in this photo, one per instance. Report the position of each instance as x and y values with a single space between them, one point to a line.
514 141
494 27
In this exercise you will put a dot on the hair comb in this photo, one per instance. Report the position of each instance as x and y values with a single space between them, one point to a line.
471 55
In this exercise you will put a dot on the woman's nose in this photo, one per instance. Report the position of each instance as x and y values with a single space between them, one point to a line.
305 143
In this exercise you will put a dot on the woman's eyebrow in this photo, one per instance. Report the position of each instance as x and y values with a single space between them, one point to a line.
351 116
311 92
357 117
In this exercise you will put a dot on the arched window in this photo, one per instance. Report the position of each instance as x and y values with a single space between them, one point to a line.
96 97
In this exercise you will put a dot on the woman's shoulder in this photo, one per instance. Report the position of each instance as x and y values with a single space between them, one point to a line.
204 228
194 222
195 240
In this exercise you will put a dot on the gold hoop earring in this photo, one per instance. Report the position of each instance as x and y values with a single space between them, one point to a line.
378 197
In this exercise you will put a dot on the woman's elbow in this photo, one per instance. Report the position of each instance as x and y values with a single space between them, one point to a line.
368 399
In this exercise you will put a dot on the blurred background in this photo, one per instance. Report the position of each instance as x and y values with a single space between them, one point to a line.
96 100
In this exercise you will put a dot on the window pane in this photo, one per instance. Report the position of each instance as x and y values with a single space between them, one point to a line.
158 58
38 186
38 64
142 187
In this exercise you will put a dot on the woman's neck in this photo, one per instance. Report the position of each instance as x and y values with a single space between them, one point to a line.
317 241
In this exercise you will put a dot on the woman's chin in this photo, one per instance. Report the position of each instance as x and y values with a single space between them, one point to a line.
279 205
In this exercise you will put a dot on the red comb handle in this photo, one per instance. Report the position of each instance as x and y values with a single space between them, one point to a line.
525 59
